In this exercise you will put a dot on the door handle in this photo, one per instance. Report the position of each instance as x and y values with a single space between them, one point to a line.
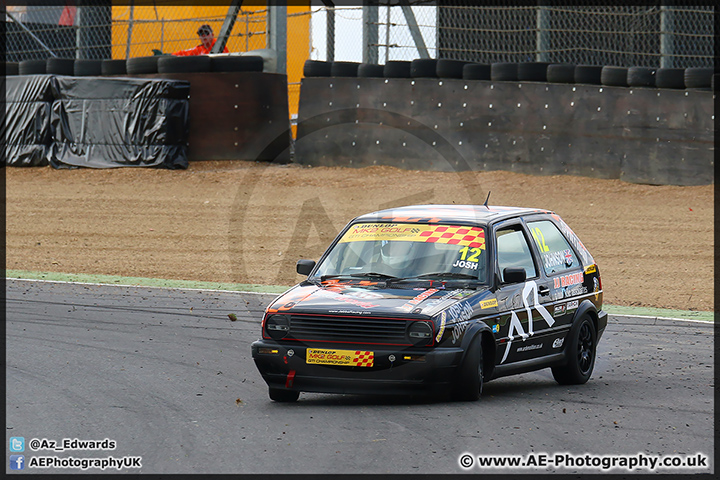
543 290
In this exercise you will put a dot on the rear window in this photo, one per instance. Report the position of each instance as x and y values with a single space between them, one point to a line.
555 251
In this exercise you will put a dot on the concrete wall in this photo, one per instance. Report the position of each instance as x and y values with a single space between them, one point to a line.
639 135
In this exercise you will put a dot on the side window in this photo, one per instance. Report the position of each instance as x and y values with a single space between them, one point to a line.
555 252
514 251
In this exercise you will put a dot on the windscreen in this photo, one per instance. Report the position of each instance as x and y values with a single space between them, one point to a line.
408 250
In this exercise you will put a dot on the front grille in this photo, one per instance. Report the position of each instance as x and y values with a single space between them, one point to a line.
388 331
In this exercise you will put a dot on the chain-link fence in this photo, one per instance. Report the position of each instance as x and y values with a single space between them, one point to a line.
338 33
102 30
623 35
651 35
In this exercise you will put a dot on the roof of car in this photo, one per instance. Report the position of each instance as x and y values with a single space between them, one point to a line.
447 213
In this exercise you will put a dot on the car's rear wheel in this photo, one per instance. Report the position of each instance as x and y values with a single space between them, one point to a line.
280 395
469 381
581 354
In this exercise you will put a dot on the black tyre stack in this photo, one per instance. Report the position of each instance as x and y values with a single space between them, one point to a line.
641 76
60 66
113 67
316 68
171 64
423 68
614 76
242 63
12 68
446 68
588 74
670 78
504 71
532 71
476 71
32 67
698 77
344 69
141 65
370 70
560 73
397 69
87 68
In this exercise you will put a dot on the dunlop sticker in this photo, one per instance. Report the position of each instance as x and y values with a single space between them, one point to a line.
489 303
473 237
591 269
351 358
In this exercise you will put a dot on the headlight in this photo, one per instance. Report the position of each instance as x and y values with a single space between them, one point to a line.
419 333
277 326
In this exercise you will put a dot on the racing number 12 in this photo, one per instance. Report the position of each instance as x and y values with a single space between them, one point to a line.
536 232
473 256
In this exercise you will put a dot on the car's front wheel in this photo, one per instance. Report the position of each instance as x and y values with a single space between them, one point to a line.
469 381
280 395
581 354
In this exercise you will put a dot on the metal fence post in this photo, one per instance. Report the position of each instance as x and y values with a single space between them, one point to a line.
667 27
130 27
277 36
330 34
543 42
227 26
414 29
80 22
370 31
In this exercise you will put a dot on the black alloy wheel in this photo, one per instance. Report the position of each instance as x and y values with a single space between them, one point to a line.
470 377
581 354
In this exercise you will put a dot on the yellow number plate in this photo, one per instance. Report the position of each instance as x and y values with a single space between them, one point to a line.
350 358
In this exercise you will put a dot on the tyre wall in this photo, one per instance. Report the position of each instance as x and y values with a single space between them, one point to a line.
639 135
116 122
96 122
26 128
237 111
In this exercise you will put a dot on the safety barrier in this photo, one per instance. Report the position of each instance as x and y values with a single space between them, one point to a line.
95 122
637 134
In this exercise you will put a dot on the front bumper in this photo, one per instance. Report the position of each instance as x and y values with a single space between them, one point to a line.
427 370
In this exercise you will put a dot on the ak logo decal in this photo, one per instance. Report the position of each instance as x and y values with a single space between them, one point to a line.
530 300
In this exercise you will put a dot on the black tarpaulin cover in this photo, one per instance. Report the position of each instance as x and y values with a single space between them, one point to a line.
103 122
25 129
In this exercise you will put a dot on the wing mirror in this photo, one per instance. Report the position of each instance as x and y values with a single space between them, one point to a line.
304 267
514 275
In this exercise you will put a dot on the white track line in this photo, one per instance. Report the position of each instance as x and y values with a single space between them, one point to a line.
140 286
707 322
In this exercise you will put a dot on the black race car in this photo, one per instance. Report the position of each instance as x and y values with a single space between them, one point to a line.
433 299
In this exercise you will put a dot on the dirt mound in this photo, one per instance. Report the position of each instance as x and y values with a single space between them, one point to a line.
249 222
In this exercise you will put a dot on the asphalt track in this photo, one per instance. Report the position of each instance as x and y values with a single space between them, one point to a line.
169 377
